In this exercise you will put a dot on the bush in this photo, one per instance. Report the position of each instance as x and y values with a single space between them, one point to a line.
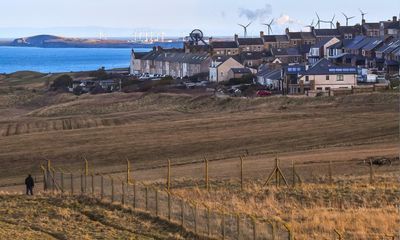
100 74
246 79
61 83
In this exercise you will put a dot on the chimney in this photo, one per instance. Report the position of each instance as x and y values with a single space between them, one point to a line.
312 29
287 30
394 19
236 37
337 25
261 34
363 22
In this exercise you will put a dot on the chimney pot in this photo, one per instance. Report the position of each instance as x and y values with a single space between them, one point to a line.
261 34
394 18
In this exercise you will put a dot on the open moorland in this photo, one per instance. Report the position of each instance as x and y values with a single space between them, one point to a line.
150 128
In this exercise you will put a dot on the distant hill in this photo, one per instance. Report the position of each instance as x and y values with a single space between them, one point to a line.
50 41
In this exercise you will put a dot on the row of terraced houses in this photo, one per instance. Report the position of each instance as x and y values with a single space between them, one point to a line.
292 63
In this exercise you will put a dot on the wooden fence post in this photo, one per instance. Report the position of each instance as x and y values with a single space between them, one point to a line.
72 184
241 173
44 179
54 179
206 174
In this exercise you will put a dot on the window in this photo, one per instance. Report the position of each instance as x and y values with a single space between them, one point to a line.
307 78
222 74
340 78
319 88
327 77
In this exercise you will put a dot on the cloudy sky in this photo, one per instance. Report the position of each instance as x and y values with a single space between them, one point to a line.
84 18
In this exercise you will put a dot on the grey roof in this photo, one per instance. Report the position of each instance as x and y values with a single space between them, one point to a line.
350 29
393 25
224 44
325 67
285 52
372 44
250 41
282 38
389 47
270 74
326 32
371 25
254 55
322 42
240 70
172 56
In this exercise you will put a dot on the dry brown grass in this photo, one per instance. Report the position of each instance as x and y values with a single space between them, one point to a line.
313 211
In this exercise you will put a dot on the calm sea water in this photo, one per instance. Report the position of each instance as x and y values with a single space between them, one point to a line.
52 60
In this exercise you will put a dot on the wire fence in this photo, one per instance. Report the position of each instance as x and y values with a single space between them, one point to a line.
193 216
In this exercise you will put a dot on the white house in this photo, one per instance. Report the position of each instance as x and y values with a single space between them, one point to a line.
220 67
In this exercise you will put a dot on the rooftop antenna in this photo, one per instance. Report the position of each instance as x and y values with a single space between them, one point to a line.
269 26
245 28
311 25
362 15
347 18
319 21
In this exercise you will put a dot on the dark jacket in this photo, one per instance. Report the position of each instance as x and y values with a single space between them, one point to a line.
29 182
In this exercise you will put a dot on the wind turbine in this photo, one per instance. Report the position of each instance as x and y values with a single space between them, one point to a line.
331 22
319 21
311 25
269 26
245 28
362 15
347 18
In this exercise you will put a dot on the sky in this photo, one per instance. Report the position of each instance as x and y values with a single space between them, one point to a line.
122 18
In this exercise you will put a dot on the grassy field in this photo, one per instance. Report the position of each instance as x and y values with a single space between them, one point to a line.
148 129
52 217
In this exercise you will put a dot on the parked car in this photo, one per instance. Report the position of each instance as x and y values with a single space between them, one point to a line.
263 93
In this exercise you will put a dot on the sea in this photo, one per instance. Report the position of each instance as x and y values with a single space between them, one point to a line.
55 60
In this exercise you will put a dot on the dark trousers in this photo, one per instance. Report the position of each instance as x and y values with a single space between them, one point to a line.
29 190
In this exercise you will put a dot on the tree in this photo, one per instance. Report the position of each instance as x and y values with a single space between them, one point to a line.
61 83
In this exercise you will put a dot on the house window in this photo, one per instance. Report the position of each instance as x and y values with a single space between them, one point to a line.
340 78
319 88
222 74
307 78
327 77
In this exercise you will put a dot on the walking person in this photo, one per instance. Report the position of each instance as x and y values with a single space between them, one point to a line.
29 185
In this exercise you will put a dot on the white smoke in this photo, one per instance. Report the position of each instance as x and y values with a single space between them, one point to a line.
256 14
287 20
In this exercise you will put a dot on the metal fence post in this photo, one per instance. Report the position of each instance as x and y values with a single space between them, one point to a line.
92 176
123 193
146 191
134 195
101 187
72 184
112 190
238 226
156 192
169 206
62 181
241 173
169 175
82 183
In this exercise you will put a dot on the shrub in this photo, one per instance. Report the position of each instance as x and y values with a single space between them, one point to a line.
100 74
61 83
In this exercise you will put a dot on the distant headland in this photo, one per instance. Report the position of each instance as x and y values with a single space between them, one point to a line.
50 41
